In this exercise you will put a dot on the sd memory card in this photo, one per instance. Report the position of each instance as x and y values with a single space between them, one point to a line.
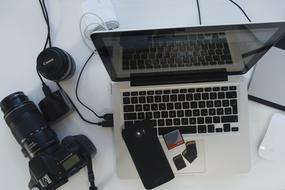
179 162
190 153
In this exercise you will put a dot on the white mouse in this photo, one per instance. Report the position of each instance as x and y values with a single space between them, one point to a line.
273 144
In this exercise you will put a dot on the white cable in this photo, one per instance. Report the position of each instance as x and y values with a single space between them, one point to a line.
83 34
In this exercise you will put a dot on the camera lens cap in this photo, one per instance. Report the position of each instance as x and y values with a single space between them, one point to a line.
55 64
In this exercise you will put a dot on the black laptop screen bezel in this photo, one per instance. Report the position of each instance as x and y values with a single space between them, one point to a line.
103 52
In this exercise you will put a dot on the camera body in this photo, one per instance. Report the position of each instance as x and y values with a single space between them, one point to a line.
50 170
51 162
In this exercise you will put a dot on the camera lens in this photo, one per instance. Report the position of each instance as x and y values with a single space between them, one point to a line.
27 124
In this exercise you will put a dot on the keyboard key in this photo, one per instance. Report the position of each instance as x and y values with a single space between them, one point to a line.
191 90
192 120
150 92
165 98
172 114
213 95
234 128
219 130
216 119
205 96
185 105
210 104
183 90
229 119
189 97
199 90
221 95
193 105
165 130
177 105
204 112
216 88
218 103
138 107
202 104
130 116
181 97
225 103
142 93
148 115
166 91
140 115
208 89
153 122
180 113
162 107
188 113
146 107
234 106
160 122
227 127
156 114
129 108
220 111
228 111
212 111
173 98
154 107
170 106
197 96
231 95
233 87
200 120
157 98
134 93
196 112
141 99
188 129
208 120
176 121
224 88
126 100
184 121
202 129
149 99
168 122
126 94
158 92
211 128
174 91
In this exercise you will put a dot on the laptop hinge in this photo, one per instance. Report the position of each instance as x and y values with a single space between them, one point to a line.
212 75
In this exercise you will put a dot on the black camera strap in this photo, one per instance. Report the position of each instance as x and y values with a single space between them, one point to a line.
91 176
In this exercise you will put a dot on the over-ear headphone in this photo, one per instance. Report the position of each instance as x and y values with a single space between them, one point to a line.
56 65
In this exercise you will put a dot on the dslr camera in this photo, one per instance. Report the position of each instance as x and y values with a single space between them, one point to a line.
51 162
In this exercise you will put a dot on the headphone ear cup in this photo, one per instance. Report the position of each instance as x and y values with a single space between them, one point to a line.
55 64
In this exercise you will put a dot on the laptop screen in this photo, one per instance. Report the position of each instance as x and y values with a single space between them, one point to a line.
235 48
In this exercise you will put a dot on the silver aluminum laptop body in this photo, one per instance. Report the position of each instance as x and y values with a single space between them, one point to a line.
222 152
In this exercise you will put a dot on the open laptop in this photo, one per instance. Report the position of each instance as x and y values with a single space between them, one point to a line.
188 79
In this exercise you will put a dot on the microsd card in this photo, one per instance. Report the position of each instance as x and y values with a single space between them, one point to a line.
173 139
179 162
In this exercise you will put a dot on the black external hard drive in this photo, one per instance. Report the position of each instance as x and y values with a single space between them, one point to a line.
147 154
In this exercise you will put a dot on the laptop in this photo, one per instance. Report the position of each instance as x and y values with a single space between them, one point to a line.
188 80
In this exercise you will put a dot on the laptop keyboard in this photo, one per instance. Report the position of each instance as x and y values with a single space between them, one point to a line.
179 51
191 110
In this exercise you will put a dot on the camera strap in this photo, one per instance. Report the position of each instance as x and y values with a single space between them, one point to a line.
91 176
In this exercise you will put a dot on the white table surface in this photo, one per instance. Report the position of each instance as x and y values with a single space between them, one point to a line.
22 36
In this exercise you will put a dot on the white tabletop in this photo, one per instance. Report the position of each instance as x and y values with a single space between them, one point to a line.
22 37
